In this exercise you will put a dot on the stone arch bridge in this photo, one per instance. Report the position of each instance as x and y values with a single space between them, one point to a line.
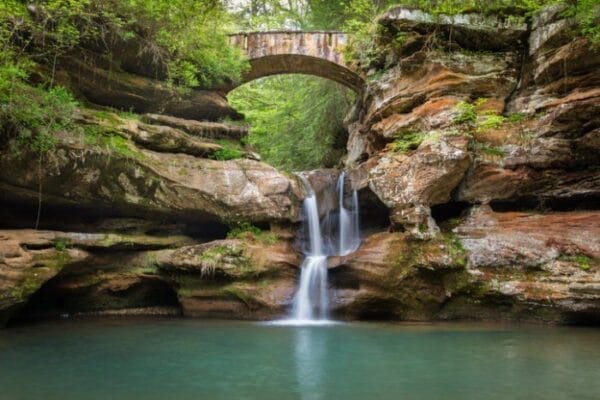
296 52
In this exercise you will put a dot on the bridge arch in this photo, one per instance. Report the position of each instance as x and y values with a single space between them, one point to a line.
316 53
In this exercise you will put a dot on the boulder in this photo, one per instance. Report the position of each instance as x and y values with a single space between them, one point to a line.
237 279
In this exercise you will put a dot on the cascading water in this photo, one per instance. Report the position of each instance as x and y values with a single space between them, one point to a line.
311 302
349 236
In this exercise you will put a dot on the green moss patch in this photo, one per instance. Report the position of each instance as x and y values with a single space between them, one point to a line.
248 232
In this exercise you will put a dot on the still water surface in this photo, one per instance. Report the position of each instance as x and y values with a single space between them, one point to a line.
191 359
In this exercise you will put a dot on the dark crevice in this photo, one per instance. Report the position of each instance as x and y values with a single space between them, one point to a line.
68 294
56 298
543 204
454 209
374 215
584 318
72 218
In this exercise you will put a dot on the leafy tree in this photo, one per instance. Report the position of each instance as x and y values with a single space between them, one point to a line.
296 120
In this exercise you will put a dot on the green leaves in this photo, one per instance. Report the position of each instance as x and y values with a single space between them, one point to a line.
32 115
408 141
229 151
188 37
296 121
587 15
466 113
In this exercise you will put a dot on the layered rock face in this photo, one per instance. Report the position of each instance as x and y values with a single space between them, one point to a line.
494 266
51 273
508 116
131 211
133 208
133 168
481 138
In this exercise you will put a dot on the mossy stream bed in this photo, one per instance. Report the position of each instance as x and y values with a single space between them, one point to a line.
194 359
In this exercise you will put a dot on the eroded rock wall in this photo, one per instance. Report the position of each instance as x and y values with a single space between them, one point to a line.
481 140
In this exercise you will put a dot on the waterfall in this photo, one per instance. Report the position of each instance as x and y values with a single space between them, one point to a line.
349 236
311 301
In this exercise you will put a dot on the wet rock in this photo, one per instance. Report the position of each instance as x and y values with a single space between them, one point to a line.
233 278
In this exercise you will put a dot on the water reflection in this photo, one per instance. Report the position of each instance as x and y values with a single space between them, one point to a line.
310 355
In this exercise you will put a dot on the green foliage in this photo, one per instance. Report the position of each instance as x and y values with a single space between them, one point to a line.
472 114
32 115
97 135
490 121
466 113
122 146
61 244
297 121
229 151
408 141
582 261
489 150
587 15
191 36
515 117
224 257
210 259
247 231
456 248
359 18
187 37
